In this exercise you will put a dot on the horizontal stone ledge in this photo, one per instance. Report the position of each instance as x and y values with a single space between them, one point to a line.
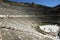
19 16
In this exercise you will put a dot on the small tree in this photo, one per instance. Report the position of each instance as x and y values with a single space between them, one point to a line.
32 4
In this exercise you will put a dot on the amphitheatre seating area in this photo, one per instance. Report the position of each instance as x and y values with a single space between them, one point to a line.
20 28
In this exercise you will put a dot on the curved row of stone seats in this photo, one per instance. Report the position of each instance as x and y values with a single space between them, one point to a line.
17 35
37 34
10 11
21 34
6 11
13 25
20 24
25 34
19 10
26 9
23 23
28 36
16 9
